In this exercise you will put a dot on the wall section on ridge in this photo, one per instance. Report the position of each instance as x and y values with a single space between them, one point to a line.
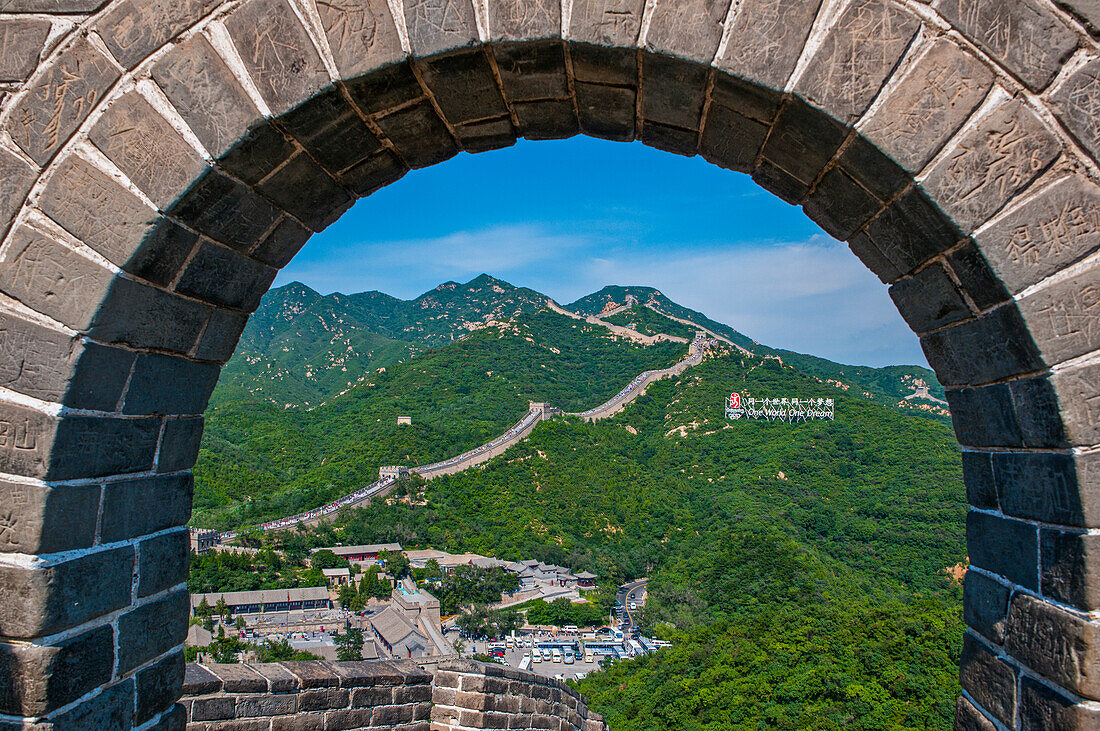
161 159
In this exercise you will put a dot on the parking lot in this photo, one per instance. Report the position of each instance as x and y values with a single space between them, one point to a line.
549 668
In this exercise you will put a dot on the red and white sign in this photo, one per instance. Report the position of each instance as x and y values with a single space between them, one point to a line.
735 400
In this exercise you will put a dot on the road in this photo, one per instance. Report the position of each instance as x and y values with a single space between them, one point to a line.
633 591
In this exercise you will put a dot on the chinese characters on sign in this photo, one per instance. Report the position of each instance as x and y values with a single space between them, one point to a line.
789 410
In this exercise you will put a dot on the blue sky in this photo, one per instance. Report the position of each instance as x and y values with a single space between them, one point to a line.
568 217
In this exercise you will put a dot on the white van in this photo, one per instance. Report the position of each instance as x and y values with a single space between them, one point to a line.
568 657
570 628
557 655
536 656
589 656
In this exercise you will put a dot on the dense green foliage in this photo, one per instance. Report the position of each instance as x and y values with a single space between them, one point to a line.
469 585
561 612
649 322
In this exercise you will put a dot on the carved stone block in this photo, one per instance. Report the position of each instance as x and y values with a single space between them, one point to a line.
673 92
88 446
858 53
1070 563
205 93
464 87
16 179
1009 548
41 678
1064 318
133 29
976 277
361 34
161 384
606 111
547 120
766 39
1062 646
1022 34
989 680
21 44
1043 487
440 25
146 147
1077 104
524 20
1079 403
606 22
532 70
419 135
690 29
992 161
41 519
226 211
225 278
304 190
60 99
1042 707
932 99
277 52
730 140
929 299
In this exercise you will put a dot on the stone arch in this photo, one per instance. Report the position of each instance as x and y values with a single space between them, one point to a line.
160 160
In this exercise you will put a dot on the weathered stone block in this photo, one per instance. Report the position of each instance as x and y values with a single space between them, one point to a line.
929 299
989 679
673 91
730 140
1076 105
859 52
969 718
603 65
373 174
606 111
279 679
225 278
300 722
221 335
440 25
147 148
803 140
766 39
547 120
86 446
45 519
1069 570
687 29
1043 486
990 163
981 486
779 182
670 139
226 211
532 70
1064 318
133 508
37 679
323 699
21 44
268 705
179 444
419 135
217 708
132 30
205 93
152 630
313 673
1005 547
303 189
1035 404
55 597
59 100
1062 646
361 34
386 89
490 134
348 718
158 686
524 20
877 173
755 102
277 52
197 680
840 205
985 605
1042 707
238 678
606 22
1079 407
259 152
985 417
1022 34
976 277
16 179
911 231
994 346
931 101
331 130
163 562
161 384
391 715
289 236
111 710
464 86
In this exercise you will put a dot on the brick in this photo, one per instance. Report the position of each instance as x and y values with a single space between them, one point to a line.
1042 707
1022 34
1069 571
277 52
386 89
225 278
985 605
1079 407
877 173
147 317
348 718
313 673
766 39
1064 318
606 22
60 99
687 29
420 137
323 699
174 719
16 179
492 134
161 384
603 65
1005 547
673 91
364 673
258 153
873 259
205 93
391 715
179 444
911 231
42 678
989 680
133 508
606 111
111 710
532 70
929 299
373 174
840 205
197 680
1055 643
158 686
464 86
990 163
147 148
221 335
133 30
50 599
985 417
777 181
53 6
439 25
306 191
47 519
802 141
226 211
989 348
981 486
213 709
670 139
524 20
1075 104
730 140
300 722
279 679
547 120
288 237
978 280
152 630
932 99
83 446
1043 486
1035 405
332 131
163 562
21 44
267 705
362 35
843 76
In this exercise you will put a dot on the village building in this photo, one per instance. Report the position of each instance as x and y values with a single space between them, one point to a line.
361 554
336 578
202 540
397 635
267 600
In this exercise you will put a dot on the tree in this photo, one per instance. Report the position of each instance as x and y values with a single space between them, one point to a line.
349 646
397 564
221 608
326 559
203 609
349 598
240 624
